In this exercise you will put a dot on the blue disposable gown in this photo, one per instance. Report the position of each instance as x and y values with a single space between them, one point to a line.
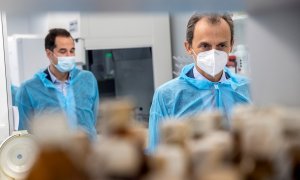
185 95
14 90
39 95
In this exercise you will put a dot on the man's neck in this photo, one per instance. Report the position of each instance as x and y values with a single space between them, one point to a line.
59 75
216 78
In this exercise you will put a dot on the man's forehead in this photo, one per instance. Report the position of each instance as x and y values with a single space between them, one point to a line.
63 38
204 27
61 41
217 21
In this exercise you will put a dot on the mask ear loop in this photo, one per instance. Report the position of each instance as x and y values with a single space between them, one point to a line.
55 55
52 60
194 52
195 55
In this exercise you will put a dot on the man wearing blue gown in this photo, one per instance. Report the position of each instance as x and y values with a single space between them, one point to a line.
205 84
60 88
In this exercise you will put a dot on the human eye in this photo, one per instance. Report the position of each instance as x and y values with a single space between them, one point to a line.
72 51
62 51
222 46
204 46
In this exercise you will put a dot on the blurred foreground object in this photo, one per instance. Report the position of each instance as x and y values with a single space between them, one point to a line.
172 149
267 139
263 143
63 152
118 154
55 164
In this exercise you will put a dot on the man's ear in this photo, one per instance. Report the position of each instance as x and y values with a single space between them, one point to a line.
231 48
48 53
188 48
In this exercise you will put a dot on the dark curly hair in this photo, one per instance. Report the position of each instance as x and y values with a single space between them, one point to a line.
53 33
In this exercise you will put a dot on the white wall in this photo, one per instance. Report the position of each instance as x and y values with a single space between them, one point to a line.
273 36
33 23
62 20
17 24
38 23
178 32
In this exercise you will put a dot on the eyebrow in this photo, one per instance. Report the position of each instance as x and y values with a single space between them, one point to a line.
223 42
206 43
203 43
64 49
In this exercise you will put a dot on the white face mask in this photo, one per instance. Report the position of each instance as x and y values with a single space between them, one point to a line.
65 63
212 62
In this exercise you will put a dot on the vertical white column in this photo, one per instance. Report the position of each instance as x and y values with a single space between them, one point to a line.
161 48
5 96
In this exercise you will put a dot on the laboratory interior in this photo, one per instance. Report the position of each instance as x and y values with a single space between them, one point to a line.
133 50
